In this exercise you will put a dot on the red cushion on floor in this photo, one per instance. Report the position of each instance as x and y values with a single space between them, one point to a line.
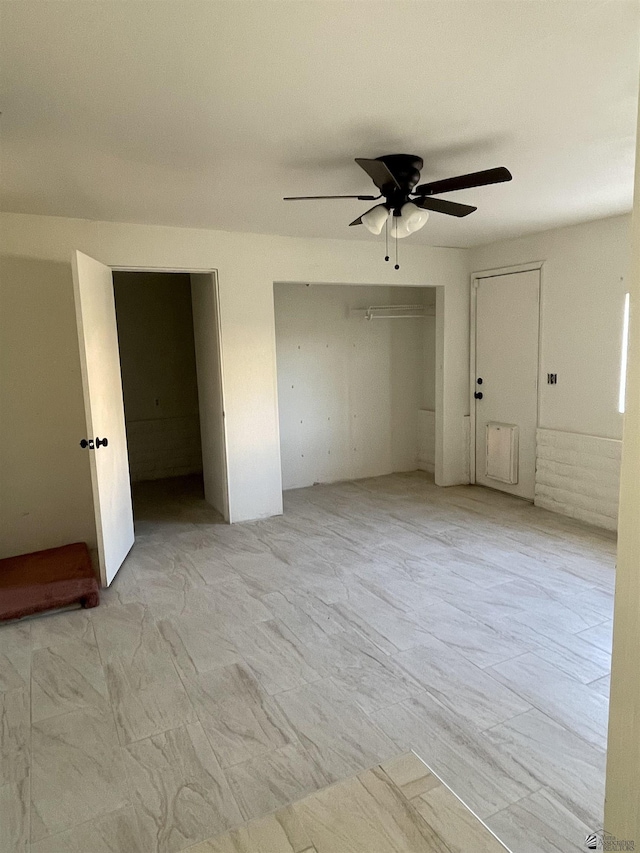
46 580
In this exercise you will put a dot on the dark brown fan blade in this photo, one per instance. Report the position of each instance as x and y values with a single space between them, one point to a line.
313 197
441 205
378 172
464 182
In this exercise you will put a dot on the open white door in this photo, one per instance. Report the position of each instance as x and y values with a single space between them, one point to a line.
104 408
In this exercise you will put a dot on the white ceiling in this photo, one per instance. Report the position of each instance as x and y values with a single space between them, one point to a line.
204 114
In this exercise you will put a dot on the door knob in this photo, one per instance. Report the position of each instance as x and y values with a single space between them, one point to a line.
100 442
478 395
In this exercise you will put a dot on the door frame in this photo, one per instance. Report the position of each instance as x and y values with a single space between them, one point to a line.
476 277
218 331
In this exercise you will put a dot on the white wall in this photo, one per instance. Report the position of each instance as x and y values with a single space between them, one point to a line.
578 475
582 302
247 265
427 413
158 365
349 389
45 486
583 289
429 359
622 803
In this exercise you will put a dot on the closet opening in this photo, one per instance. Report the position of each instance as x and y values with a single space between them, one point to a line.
357 374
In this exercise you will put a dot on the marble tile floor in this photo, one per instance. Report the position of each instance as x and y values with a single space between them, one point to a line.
394 807
232 670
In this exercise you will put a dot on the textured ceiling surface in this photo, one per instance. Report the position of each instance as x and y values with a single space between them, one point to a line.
204 114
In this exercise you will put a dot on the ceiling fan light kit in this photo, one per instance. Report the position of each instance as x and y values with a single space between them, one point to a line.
410 220
375 219
407 205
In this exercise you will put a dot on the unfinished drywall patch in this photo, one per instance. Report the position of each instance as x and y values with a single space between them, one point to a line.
350 389
157 358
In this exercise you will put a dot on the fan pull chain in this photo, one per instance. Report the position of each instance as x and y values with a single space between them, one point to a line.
397 266
386 239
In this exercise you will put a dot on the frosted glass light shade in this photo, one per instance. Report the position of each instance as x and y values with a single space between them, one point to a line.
375 218
398 227
416 217
411 219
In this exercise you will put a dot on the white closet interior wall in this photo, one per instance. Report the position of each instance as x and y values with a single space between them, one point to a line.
354 395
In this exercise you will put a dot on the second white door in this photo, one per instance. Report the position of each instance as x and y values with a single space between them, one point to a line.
506 381
105 440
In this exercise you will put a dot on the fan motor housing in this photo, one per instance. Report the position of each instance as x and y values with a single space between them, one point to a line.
406 170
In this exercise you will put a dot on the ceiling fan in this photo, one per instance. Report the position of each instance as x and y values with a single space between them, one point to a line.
407 204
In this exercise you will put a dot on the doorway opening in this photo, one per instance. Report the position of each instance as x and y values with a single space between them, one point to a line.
165 340
154 318
357 381
165 346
